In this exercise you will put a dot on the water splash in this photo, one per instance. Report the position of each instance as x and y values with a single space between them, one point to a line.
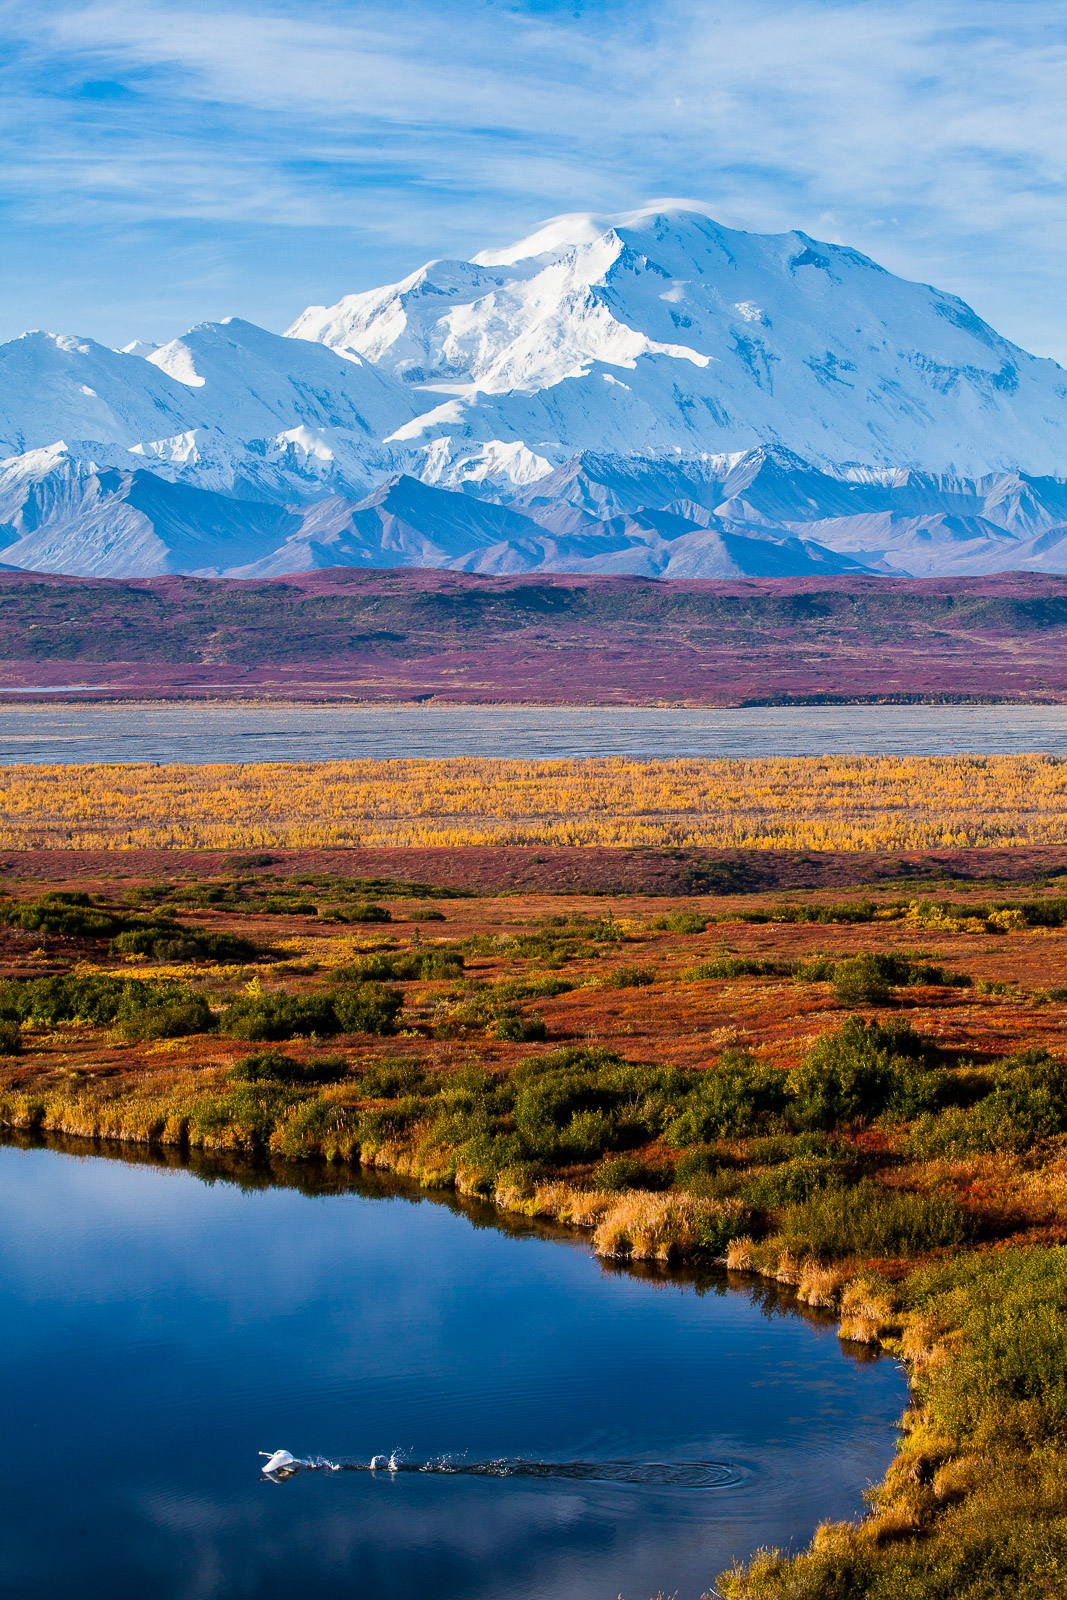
652 1474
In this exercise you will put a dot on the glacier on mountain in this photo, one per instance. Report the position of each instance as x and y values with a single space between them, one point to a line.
651 393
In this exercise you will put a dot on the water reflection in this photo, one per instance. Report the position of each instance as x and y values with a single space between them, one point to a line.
180 1317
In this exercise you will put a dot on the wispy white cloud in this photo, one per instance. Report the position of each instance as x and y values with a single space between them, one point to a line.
934 135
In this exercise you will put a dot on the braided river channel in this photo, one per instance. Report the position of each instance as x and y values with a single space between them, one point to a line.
477 1409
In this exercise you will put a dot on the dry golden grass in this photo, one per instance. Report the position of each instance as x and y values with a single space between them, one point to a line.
831 803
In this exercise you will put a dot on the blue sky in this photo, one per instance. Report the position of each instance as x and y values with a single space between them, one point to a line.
165 164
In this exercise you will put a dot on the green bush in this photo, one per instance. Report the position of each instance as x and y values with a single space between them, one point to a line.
519 1029
861 1071
629 978
601 930
680 922
174 1019
393 1080
700 1161
69 915
867 978
863 980
532 988
733 1098
279 1016
733 967
862 911
577 1103
723 1184
399 966
1027 1103
866 1219
102 1000
244 1116
618 1173
819 969
713 1231
565 1114
545 947
772 1149
171 942
271 1066
1007 1380
791 1183
10 1038
365 912
366 1008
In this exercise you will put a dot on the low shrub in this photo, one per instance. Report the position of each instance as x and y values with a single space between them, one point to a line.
10 1038
393 1080
862 980
366 911
141 1007
366 1008
860 911
174 1019
532 988
819 969
617 1173
629 978
271 1017
69 915
791 1183
726 966
399 966
867 978
680 922
1026 1104
242 1117
601 930
733 1098
861 1071
546 947
517 1028
575 1104
772 1149
356 1008
1006 1383
698 1162
172 942
866 1219
271 1066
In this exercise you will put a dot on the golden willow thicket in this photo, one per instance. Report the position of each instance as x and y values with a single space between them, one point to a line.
801 803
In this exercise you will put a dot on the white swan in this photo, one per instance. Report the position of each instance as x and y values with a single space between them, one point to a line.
279 1461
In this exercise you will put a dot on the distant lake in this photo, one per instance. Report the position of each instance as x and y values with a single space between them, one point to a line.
589 1431
189 732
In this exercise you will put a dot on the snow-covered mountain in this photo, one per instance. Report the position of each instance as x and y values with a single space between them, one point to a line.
666 332
651 394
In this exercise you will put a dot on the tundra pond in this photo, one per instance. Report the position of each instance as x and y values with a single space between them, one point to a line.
158 1331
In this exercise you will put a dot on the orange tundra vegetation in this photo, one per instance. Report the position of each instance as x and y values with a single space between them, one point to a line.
864 1099
859 803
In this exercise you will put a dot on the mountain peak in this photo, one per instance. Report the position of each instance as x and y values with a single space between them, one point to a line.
661 330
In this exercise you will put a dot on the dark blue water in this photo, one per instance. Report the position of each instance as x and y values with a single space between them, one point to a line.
201 732
156 1331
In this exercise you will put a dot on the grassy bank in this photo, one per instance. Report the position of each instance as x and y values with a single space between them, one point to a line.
796 1088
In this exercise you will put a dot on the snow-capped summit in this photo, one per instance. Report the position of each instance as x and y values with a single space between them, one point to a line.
662 330
647 393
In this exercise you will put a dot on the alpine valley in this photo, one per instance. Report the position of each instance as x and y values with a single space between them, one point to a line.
650 394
